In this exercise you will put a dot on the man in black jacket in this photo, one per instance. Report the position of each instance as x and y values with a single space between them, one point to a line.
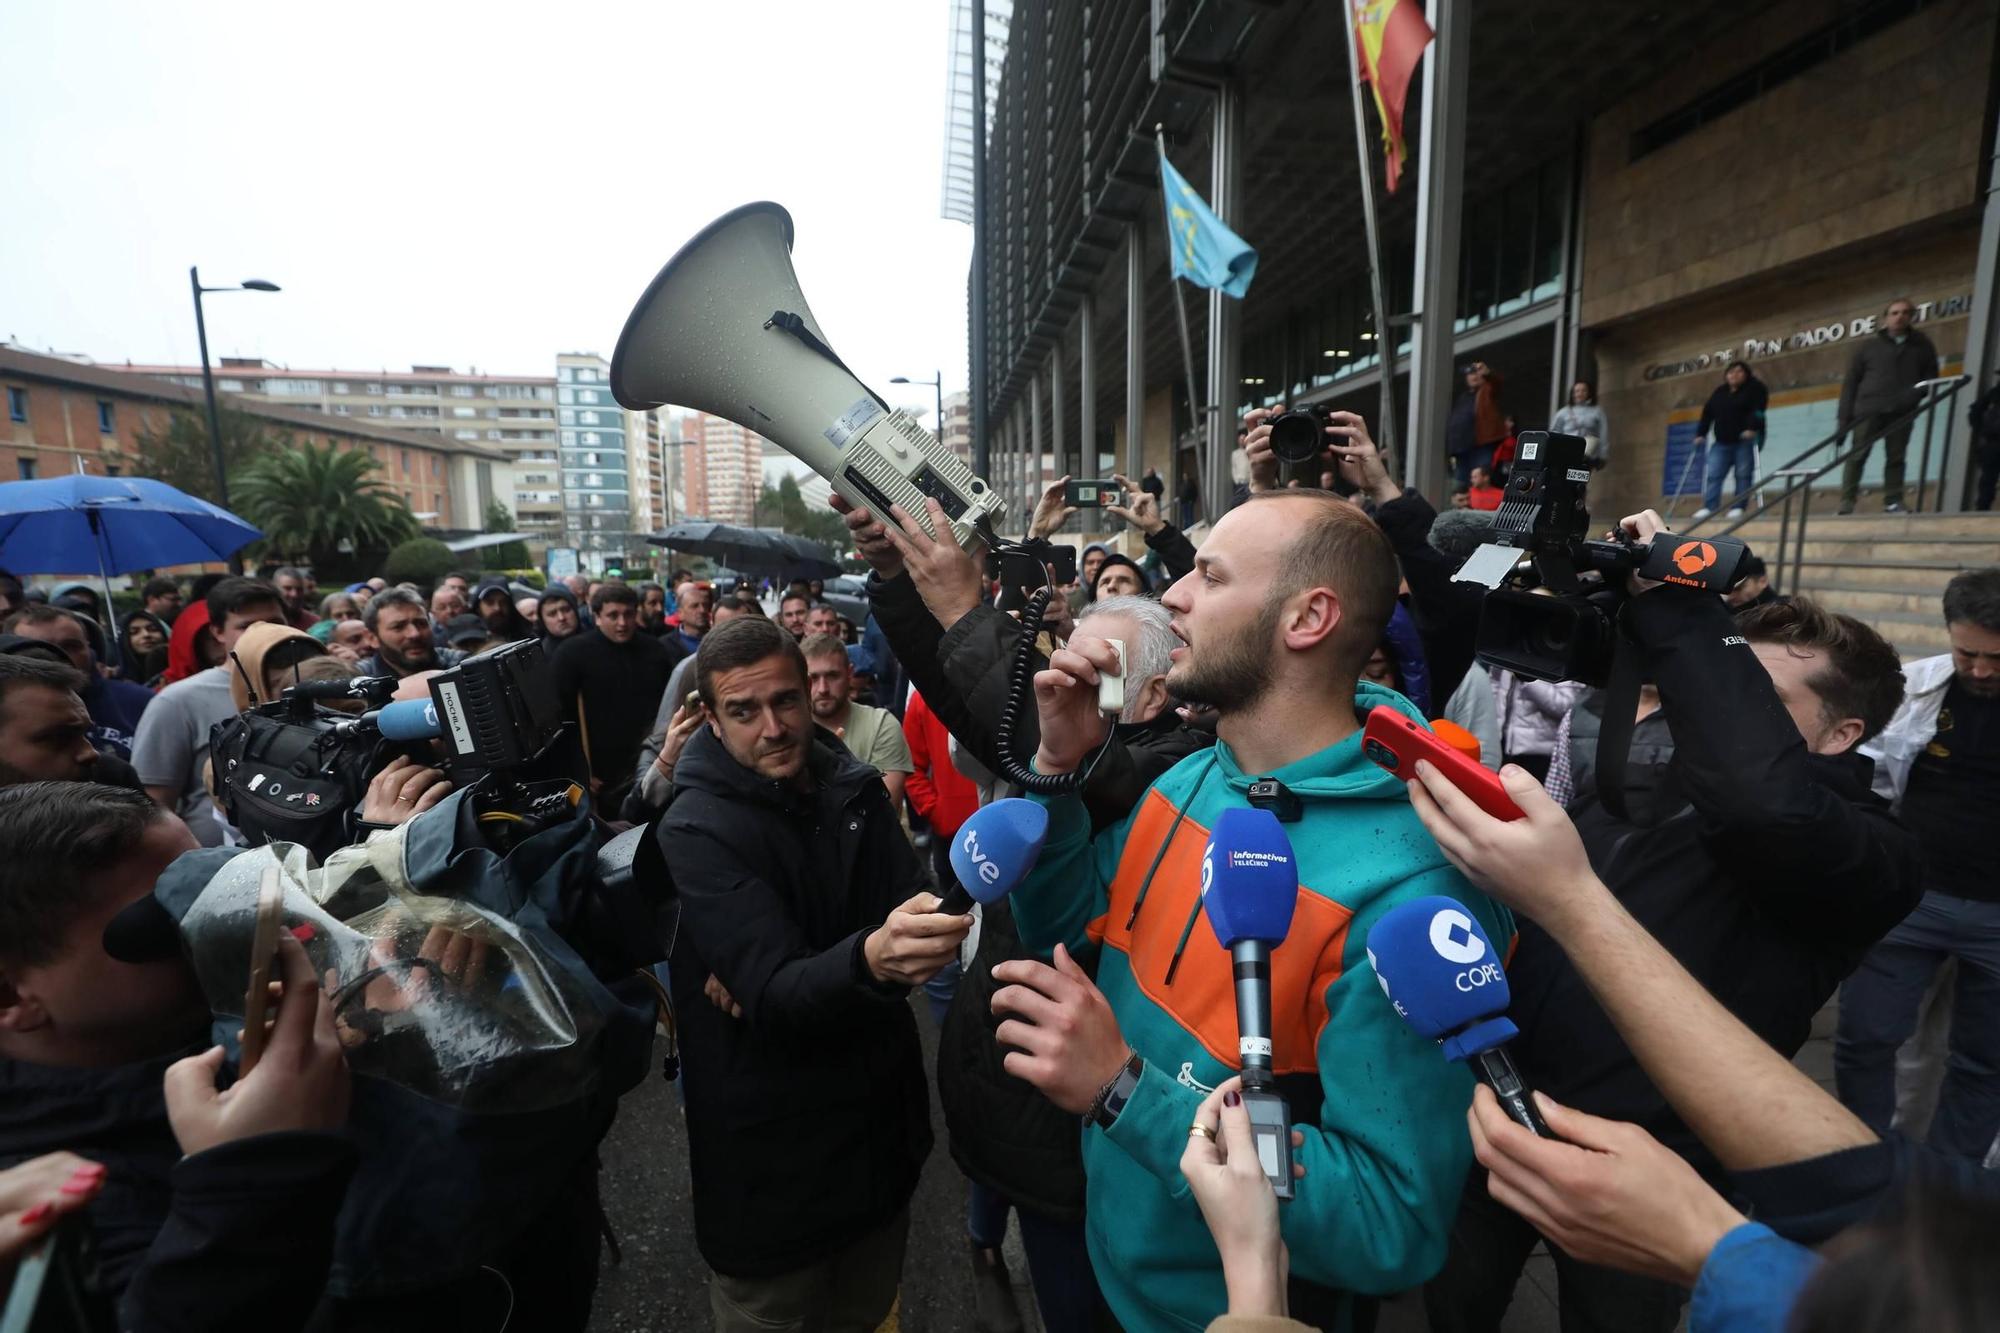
610 680
1879 391
806 918
1775 873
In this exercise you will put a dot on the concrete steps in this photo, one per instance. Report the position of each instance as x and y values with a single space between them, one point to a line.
1887 570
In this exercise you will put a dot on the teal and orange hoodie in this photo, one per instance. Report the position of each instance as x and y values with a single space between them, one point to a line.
1382 1110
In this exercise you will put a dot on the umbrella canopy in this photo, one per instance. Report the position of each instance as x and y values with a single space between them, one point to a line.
112 524
808 559
738 547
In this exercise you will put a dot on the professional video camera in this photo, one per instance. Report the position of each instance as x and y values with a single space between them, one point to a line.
1553 615
296 769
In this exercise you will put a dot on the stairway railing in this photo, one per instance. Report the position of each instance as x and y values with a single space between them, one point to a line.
1799 475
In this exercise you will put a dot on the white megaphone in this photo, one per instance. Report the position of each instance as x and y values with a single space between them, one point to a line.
724 329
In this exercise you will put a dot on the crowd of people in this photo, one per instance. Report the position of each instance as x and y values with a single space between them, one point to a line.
1791 820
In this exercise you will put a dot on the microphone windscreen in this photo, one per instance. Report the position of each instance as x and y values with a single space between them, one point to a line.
143 932
994 849
1437 966
408 720
1249 878
1459 532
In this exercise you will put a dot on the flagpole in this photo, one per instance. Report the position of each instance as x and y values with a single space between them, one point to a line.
1200 414
1385 342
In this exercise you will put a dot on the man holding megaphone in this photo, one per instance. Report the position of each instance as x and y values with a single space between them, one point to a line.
1289 595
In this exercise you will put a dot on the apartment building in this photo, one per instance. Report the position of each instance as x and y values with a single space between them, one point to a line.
723 468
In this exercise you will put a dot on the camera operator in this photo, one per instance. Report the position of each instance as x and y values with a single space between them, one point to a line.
806 919
1803 1164
1446 611
1773 874
170 749
1290 595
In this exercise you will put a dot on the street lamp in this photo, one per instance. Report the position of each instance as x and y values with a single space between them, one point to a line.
208 375
937 384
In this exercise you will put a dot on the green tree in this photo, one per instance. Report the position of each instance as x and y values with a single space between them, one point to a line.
422 560
321 504
783 506
507 555
180 454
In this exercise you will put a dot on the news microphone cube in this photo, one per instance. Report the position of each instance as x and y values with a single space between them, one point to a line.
1249 878
1437 967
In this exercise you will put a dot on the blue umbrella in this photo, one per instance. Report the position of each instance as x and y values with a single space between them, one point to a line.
114 525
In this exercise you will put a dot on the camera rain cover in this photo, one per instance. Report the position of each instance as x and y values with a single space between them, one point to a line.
441 995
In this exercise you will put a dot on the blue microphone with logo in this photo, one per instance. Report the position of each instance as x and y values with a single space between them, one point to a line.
992 851
1249 886
1444 977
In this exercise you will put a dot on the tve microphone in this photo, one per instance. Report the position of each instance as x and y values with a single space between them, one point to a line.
992 851
1249 886
404 720
1442 974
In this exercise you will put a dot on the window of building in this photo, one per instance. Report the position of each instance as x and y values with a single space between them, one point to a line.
374 409
27 467
545 394
587 418
372 388
568 415
563 374
590 437
230 386
113 470
107 420
340 386
464 412
406 461
461 391
466 434
17 404
566 395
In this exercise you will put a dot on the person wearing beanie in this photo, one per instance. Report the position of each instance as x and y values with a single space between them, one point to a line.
1119 576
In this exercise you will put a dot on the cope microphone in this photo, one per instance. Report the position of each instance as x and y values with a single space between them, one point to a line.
1444 977
992 851
1249 886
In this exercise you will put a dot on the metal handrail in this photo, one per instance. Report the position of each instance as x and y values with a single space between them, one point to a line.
1937 392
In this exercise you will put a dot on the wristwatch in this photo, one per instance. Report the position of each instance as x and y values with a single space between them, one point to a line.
1111 1098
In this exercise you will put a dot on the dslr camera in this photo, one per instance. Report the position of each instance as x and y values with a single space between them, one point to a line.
1299 436
1552 612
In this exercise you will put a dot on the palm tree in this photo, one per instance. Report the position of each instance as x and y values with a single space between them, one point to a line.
314 500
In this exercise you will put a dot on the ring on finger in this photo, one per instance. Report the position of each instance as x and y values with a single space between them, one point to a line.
1198 1128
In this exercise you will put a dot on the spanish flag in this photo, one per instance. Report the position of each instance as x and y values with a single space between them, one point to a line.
1391 36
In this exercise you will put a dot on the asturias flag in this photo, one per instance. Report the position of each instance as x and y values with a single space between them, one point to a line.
1391 35
1205 252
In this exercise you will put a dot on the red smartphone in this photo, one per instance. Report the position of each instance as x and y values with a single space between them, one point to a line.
1396 741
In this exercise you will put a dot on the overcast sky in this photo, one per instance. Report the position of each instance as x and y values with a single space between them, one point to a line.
474 184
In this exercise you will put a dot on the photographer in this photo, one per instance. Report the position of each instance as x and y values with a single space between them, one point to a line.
1772 874
1289 597
1446 611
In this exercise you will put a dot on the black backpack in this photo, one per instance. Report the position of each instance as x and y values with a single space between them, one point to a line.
284 776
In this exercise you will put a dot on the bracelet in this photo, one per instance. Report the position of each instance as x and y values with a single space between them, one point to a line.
1111 1098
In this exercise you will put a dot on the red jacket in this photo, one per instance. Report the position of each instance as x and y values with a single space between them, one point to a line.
937 790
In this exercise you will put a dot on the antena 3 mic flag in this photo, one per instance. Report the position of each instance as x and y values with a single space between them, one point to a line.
1391 35
1205 251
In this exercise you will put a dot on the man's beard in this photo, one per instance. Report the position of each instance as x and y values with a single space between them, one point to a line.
1980 689
1232 673
824 708
397 661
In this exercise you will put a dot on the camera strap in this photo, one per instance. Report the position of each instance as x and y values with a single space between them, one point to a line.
1614 738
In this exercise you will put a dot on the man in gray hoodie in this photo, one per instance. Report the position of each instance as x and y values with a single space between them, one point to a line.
1880 387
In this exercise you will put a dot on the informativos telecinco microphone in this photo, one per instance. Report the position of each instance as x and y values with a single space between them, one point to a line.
992 851
1249 886
1444 977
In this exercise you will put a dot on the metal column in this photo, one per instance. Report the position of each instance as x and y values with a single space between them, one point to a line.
1224 326
1031 472
976 297
1135 351
1058 405
1440 194
1086 388
1982 329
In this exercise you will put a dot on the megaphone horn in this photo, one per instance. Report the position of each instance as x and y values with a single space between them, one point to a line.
724 329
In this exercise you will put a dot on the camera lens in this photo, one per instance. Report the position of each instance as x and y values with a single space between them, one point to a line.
1380 754
1296 437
